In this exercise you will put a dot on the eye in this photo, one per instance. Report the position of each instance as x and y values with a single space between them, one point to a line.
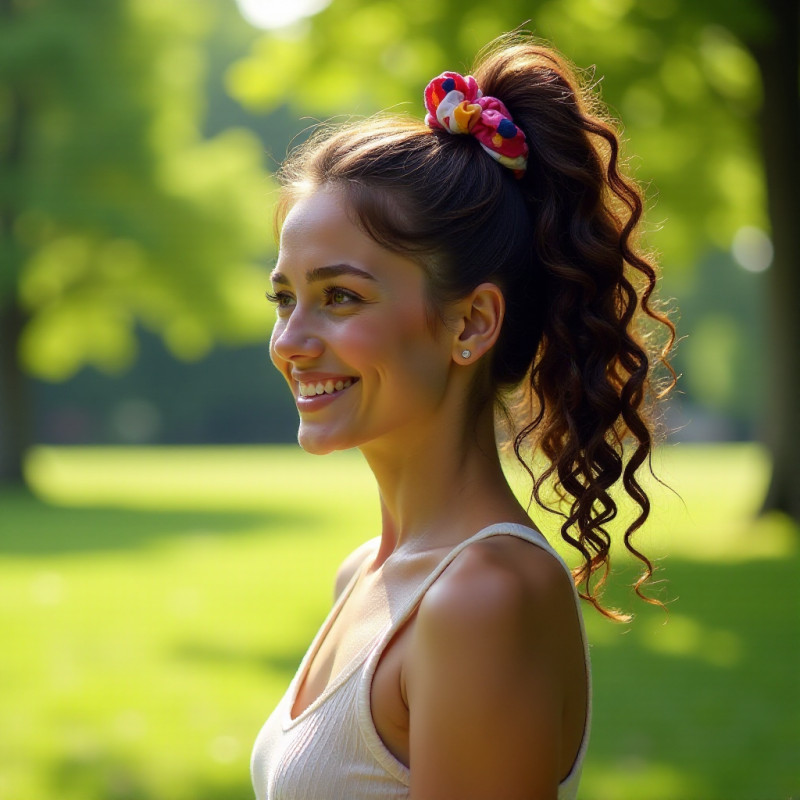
336 296
282 300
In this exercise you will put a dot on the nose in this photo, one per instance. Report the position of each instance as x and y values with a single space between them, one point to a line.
294 338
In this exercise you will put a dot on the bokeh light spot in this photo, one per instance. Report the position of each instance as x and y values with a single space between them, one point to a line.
270 14
752 249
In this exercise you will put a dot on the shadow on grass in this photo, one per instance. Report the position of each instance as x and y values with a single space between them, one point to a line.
30 526
711 694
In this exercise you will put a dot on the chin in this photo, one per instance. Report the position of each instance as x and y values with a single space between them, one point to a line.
320 445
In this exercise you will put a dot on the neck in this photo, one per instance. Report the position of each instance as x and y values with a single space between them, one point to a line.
439 486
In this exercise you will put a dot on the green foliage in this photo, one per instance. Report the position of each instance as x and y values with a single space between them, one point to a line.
723 357
677 72
159 601
114 207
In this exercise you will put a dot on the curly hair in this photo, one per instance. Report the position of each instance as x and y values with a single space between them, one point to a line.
572 368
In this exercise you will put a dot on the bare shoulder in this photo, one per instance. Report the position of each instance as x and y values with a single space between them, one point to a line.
503 581
497 636
350 565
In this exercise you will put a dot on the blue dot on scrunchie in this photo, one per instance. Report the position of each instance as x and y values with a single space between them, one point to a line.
507 129
448 84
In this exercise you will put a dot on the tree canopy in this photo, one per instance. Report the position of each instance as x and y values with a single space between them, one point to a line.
114 210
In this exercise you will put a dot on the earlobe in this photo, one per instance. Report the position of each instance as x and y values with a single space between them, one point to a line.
481 315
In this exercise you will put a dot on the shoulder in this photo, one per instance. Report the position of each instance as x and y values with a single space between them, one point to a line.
496 646
502 581
351 564
505 606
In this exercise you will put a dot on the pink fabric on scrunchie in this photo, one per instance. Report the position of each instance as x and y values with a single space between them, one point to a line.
457 105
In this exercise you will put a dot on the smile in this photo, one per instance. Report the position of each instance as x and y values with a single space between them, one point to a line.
327 387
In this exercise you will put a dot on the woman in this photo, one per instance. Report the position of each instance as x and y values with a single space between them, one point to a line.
429 275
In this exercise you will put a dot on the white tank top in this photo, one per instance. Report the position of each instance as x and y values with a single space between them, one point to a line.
332 751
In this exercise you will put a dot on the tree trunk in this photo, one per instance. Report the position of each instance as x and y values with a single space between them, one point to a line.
15 408
780 132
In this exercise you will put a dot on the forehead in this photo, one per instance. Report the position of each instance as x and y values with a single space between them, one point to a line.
320 229
315 209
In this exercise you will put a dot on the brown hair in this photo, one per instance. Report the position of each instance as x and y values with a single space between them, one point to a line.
559 242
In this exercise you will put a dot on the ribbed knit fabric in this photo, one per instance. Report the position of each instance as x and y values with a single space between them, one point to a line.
332 751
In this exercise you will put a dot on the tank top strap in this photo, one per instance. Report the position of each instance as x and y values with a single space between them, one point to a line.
497 529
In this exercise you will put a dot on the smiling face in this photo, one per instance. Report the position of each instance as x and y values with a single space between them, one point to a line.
353 338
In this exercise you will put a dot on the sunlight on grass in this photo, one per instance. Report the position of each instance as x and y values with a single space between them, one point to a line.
709 514
645 780
194 477
704 501
684 636
159 600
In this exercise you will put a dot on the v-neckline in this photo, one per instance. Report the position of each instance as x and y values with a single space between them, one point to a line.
347 671
290 718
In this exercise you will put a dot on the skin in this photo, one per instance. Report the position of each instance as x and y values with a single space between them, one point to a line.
482 692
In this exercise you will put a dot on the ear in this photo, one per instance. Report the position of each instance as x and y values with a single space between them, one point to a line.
478 318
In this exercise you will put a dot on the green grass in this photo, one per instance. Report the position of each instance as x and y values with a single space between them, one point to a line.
155 603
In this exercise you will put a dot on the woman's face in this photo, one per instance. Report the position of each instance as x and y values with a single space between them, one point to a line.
352 337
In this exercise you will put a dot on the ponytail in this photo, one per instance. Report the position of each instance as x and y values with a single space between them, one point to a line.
590 377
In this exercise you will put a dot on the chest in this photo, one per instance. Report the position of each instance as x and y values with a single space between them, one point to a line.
368 616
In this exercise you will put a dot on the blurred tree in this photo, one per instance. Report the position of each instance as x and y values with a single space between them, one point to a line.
113 208
693 81
778 58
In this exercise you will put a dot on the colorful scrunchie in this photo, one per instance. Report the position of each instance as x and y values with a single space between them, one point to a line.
457 105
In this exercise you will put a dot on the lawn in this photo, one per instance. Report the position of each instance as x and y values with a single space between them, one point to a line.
154 604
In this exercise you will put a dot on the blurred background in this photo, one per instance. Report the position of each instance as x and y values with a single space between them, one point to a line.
138 139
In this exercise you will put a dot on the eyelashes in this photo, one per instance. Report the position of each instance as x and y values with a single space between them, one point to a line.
334 296
276 299
345 296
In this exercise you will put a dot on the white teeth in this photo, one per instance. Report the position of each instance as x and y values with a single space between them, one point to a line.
329 387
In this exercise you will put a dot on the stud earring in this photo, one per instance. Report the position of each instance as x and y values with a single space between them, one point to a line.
466 353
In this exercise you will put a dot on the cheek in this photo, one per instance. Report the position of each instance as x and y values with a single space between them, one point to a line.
402 348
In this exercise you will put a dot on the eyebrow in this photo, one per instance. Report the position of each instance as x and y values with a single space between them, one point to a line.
325 273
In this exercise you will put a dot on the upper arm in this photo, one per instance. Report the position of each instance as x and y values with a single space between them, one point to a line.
484 682
350 565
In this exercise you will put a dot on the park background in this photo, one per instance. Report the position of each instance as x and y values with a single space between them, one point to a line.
162 562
